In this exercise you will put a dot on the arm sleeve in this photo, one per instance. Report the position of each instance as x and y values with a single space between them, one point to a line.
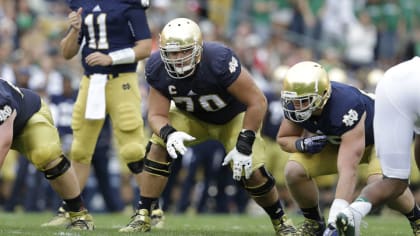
138 23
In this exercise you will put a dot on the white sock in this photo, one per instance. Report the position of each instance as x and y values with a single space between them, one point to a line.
363 207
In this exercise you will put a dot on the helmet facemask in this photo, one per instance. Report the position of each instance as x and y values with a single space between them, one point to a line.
300 108
180 67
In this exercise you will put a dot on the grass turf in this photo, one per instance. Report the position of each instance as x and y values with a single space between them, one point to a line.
197 225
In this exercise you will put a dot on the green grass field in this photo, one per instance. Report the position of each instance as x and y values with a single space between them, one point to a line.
197 225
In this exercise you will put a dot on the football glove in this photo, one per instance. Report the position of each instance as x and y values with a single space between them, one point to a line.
145 3
240 162
241 155
175 143
174 140
312 144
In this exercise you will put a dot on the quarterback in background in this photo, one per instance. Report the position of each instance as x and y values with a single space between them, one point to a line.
113 36
213 97
328 129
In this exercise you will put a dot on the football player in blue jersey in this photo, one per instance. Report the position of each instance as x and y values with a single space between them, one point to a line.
328 129
276 158
112 35
213 97
26 125
397 120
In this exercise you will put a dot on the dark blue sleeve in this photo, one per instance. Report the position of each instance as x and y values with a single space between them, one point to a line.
73 4
348 118
138 23
6 105
227 66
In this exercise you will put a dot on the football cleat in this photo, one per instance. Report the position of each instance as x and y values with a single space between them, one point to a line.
348 222
62 218
311 227
330 231
140 222
416 227
283 226
81 220
157 218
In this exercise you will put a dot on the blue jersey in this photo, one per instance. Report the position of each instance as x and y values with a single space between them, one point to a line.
64 108
204 94
24 101
342 113
107 26
274 115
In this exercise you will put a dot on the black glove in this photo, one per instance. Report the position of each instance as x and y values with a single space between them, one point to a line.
312 144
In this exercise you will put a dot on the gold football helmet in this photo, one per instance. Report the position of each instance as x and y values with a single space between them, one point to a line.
181 45
306 88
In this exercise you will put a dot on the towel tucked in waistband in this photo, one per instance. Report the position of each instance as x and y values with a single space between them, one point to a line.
95 103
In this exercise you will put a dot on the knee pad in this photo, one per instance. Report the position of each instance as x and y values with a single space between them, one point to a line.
58 170
80 154
131 151
157 168
41 156
261 190
136 167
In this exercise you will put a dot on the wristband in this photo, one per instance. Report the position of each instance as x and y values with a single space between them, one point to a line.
165 131
245 141
299 145
123 56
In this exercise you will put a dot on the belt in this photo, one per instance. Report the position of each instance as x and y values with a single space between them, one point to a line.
110 76
113 76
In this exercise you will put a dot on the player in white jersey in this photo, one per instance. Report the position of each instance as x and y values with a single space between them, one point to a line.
397 119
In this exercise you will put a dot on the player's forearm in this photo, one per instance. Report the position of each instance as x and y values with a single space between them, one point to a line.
254 115
2 156
156 122
287 144
346 185
69 44
129 55
4 149
142 49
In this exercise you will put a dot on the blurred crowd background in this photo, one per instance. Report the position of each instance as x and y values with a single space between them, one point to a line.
355 40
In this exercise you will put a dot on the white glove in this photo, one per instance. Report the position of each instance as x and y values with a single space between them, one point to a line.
240 161
336 207
175 143
145 3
